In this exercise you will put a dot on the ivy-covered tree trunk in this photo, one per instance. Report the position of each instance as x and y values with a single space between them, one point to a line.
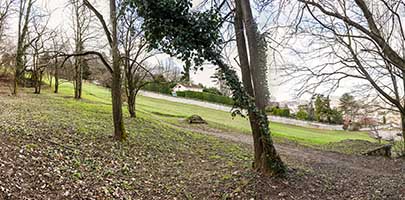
266 158
23 21
198 40
247 80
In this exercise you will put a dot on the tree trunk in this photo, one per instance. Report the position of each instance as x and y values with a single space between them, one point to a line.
22 33
78 78
50 79
132 103
15 83
40 82
78 50
18 68
403 130
119 130
247 81
56 76
267 159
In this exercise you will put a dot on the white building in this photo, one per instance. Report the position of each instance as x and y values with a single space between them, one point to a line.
180 87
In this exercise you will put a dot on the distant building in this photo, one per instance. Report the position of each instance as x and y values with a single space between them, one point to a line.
293 105
181 87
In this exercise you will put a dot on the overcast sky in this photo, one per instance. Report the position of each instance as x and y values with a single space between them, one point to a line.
61 18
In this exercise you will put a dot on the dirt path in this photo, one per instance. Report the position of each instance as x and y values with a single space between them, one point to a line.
317 159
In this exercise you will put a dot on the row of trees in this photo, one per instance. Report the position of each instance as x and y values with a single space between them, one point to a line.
358 41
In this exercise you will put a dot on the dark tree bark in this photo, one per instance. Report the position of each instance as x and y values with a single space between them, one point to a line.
246 79
267 159
119 130
132 103
78 78
56 75
23 20
80 30
115 69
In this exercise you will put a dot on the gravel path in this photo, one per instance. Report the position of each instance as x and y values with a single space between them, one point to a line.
367 166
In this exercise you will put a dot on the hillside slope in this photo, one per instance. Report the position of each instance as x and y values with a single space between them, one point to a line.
52 146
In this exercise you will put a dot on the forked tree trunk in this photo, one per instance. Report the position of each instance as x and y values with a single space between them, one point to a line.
78 50
132 103
267 159
247 81
21 46
119 130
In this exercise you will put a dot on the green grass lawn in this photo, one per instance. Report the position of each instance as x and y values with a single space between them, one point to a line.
173 112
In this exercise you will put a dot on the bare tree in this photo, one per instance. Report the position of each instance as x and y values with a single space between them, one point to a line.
82 21
168 69
40 56
135 51
24 17
59 47
5 8
358 40
114 68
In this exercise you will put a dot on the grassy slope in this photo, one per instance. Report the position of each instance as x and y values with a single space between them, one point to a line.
220 119
69 146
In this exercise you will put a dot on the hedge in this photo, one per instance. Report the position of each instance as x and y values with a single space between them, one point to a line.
164 88
276 111
205 96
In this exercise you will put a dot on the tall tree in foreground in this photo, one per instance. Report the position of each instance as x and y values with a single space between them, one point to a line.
194 37
24 17
115 68
254 80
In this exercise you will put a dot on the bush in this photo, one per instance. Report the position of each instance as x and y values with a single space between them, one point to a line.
205 96
355 126
276 111
164 88
212 90
302 115
336 117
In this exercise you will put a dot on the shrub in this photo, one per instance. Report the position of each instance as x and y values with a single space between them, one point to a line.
355 126
212 90
276 111
164 88
302 115
336 117
205 96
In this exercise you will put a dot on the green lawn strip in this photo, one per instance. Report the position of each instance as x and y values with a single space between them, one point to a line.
171 111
